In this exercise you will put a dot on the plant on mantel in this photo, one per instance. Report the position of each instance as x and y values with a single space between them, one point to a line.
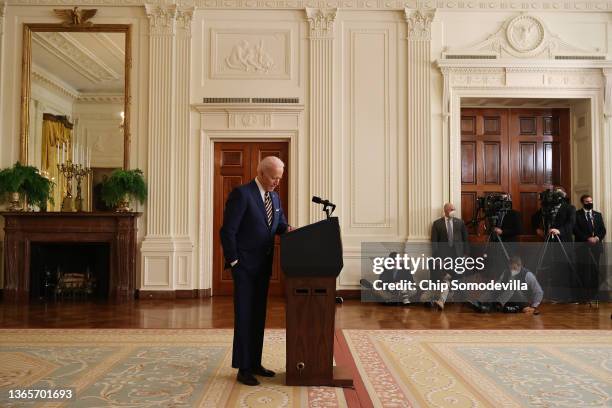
28 181
121 186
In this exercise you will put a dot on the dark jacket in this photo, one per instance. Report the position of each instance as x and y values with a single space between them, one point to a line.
511 226
245 235
439 238
583 229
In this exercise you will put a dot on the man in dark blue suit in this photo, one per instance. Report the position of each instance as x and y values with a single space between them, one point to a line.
253 215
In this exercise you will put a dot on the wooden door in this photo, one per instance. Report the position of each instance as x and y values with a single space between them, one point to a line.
484 159
236 164
540 158
519 151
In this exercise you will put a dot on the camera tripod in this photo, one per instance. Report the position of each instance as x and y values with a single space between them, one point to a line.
493 235
550 238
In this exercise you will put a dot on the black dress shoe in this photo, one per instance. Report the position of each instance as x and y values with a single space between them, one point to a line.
264 372
247 378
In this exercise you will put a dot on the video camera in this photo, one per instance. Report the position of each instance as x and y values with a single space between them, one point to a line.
494 203
551 201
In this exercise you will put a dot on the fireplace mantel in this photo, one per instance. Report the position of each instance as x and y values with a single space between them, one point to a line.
23 228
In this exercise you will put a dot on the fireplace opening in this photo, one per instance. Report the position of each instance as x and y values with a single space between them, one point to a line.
69 271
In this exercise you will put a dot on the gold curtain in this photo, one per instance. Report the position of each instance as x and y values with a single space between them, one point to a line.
56 132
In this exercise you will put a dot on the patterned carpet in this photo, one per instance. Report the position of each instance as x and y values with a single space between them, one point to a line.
147 368
462 368
398 368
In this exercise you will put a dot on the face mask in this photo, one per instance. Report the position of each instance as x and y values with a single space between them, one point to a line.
451 214
514 272
588 206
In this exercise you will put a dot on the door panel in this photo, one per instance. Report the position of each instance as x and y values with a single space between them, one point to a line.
520 151
236 164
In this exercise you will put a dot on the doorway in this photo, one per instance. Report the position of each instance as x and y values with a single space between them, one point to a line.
521 151
236 164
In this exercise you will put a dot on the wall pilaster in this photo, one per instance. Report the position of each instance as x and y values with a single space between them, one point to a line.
321 104
419 123
167 250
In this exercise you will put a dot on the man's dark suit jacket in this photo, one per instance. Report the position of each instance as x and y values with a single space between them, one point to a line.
245 235
511 226
564 221
439 238
583 229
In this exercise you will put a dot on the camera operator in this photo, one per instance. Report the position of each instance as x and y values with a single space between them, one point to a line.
555 221
510 227
589 232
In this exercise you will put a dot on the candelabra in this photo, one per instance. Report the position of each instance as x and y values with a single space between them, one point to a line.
68 169
80 172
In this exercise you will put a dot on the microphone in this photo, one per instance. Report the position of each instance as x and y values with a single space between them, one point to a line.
328 207
319 200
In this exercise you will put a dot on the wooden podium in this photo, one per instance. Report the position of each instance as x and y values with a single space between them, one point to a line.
311 259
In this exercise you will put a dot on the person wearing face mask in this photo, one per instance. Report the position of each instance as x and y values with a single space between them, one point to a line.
526 301
449 238
589 233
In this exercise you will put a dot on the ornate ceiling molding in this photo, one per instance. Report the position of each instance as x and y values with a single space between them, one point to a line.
67 49
419 24
321 22
474 5
522 36
53 85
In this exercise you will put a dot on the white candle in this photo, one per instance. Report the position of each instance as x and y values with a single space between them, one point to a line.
88 157
57 155
63 153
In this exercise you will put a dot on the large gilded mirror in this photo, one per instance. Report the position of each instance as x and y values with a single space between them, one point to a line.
75 108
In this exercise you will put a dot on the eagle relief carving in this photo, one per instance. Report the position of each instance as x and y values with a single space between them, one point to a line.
76 17
249 58
525 33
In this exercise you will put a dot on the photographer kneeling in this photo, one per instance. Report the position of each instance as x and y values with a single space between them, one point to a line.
512 300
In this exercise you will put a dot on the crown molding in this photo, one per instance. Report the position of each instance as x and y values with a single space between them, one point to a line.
594 6
46 80
67 49
52 84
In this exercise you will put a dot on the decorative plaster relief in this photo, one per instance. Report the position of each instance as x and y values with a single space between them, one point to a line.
321 21
516 5
162 20
419 24
250 53
66 48
523 36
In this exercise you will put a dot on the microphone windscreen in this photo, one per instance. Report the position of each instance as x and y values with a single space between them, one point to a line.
316 199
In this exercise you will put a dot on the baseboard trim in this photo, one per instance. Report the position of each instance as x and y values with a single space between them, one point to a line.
349 293
173 294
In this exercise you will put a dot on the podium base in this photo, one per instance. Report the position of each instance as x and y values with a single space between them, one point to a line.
342 377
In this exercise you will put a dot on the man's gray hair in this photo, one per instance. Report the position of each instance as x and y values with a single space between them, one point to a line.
269 162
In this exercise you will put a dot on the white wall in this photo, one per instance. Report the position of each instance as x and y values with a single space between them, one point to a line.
374 149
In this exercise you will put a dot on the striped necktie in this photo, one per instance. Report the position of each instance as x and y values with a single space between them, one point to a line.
268 205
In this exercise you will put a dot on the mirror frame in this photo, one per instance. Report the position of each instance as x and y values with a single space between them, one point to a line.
26 80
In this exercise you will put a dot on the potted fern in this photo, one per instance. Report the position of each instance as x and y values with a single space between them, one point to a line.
28 181
121 186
